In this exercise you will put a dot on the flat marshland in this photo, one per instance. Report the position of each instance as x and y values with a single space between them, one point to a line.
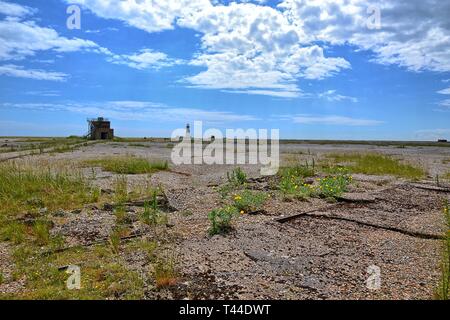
139 227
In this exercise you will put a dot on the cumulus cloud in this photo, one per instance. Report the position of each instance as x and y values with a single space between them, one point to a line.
245 47
413 34
20 39
15 10
249 47
255 48
148 15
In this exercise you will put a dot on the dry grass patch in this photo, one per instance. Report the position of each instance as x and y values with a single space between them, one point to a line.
128 165
103 275
29 187
165 269
374 164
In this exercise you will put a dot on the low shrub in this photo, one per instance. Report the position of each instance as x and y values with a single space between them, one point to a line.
333 187
221 220
237 177
249 201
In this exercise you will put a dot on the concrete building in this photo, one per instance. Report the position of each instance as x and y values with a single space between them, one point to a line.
100 129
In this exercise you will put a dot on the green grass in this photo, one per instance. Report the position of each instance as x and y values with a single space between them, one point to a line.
333 187
292 183
370 143
41 232
39 190
102 275
152 215
237 177
14 232
165 270
128 165
26 188
53 145
443 290
374 164
301 171
221 220
115 240
248 201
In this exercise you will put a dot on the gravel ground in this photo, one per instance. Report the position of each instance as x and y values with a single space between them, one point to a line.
385 222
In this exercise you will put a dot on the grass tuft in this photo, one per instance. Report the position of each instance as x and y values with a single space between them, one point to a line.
14 232
221 220
165 270
249 201
152 215
237 177
444 286
41 232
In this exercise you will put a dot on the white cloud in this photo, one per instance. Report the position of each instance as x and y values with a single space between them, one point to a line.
272 93
12 70
331 95
15 10
444 91
136 110
433 134
148 15
334 120
255 48
145 59
445 104
245 47
20 39
49 93
414 34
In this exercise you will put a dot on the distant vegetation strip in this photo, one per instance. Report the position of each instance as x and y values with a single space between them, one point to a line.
128 165
374 164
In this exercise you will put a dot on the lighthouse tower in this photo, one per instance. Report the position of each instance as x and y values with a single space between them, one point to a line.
188 131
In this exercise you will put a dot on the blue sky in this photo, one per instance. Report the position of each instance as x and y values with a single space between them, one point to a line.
312 68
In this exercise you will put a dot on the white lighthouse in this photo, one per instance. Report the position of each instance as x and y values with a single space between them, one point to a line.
188 131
